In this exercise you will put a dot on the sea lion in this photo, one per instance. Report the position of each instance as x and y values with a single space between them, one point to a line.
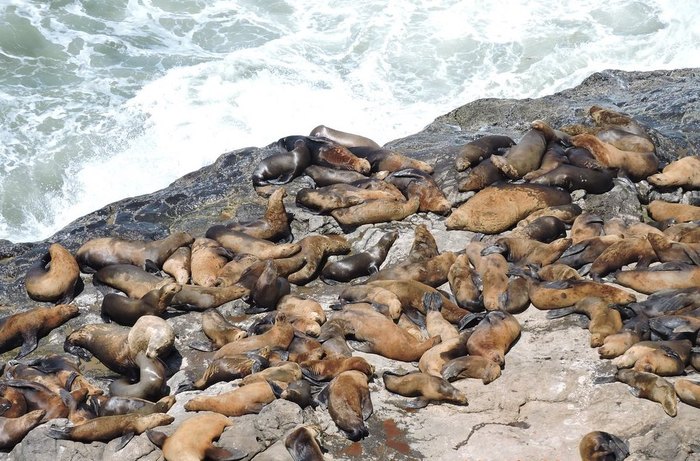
435 323
637 165
432 272
95 254
602 446
604 321
616 345
374 295
471 366
573 178
58 283
13 430
14 404
219 330
229 369
528 251
608 117
279 336
302 445
684 232
526 155
493 272
651 387
434 359
349 403
462 279
281 168
296 307
626 251
329 368
193 439
680 212
192 297
424 246
498 208
494 336
376 211
324 176
338 196
482 175
418 183
668 251
564 293
587 250
178 265
359 264
151 382
106 428
543 229
274 225
268 287
558 271
152 335
280 373
25 328
231 273
342 137
240 242
110 406
427 389
554 156
330 154
126 311
132 280
475 151
208 258
582 158
243 400
684 172
586 225
301 268
389 161
688 391
661 277
679 349
566 213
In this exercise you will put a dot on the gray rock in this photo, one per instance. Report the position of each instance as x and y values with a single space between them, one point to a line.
621 201
278 418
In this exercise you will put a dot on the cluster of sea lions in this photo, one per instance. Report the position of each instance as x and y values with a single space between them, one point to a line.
535 246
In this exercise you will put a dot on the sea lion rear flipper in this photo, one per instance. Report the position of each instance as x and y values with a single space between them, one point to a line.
30 343
124 441
204 346
360 346
414 404
150 266
469 320
157 438
693 255
77 351
4 405
558 313
321 397
59 433
605 379
432 302
71 294
414 315
367 407
491 249
276 389
224 454
617 446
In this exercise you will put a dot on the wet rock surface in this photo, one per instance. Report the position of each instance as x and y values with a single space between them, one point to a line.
547 397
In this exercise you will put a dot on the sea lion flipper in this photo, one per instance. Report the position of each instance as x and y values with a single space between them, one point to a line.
157 438
432 302
558 313
322 397
124 441
4 405
31 341
618 446
367 408
415 404
276 389
469 320
59 433
360 346
224 454
150 266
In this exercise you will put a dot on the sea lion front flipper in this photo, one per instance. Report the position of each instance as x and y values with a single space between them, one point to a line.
201 345
71 294
360 346
276 389
322 397
224 454
414 404
31 341
432 302
367 407
124 441
150 266
157 438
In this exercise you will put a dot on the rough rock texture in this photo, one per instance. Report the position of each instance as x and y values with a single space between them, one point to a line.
546 398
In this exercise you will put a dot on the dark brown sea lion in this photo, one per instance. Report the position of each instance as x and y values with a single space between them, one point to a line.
482 175
637 165
178 265
688 391
126 311
494 336
110 406
193 439
604 321
661 277
219 330
14 404
208 258
523 251
586 225
279 336
343 138
554 156
418 183
324 176
376 211
432 272
602 446
240 242
427 389
572 178
106 428
684 172
98 253
651 387
543 229
626 251
58 283
680 212
566 213
610 118
526 155
582 158
475 151
243 400
349 403
13 430
25 328
302 445
267 288
231 273
283 167
462 279
360 264
301 268
498 208
668 251
150 384
132 280
471 366
56 372
331 154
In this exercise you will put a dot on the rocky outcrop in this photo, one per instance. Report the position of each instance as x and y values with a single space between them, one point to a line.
546 398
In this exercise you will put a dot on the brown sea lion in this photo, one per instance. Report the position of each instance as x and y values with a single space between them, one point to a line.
193 439
13 430
231 273
528 251
586 225
56 372
498 208
493 272
608 117
178 265
349 403
151 335
582 158
678 349
616 345
388 160
573 178
296 307
554 156
25 328
637 165
543 229
626 251
482 175
302 445
106 428
526 155
301 268
343 138
587 250
680 212
274 225
418 183
359 264
434 359
14 404
432 272
208 258
324 176
193 297
684 232
471 366
376 211
243 400
132 280
282 167
240 242
688 391
373 295
566 213
602 446
435 323
265 284
58 283
684 172
494 336
331 154
604 321
126 311
328 368
424 246
558 271
475 151
230 368
668 251
219 330
462 279
661 277
110 406
279 336
150 384
280 373
564 293
427 389
651 387
98 253
337 196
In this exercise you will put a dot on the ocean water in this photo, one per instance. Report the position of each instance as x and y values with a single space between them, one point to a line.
104 99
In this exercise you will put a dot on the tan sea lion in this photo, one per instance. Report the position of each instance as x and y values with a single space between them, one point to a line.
638 165
651 387
688 391
296 307
349 403
274 225
231 273
528 251
110 406
14 404
229 369
359 264
626 251
604 321
602 446
373 295
25 328
471 366
498 208
427 389
280 373
435 323
586 225
106 428
58 283
493 272
132 280
463 285
668 251
558 271
152 335
243 400
279 336
681 349
208 258
680 212
475 151
328 368
684 232
331 154
343 138
494 336
434 359
424 246
526 155
587 250
302 445
337 196
684 172
98 253
388 160
301 268
432 272
608 117
661 277
13 430
376 211
564 293
420 184
193 297
178 265
324 176
126 311
240 242
616 345
219 330
554 156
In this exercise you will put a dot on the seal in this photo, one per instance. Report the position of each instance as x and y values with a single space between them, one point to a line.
668 251
193 439
435 323
13 404
432 272
219 330
231 273
494 336
281 373
281 168
299 308
424 246
389 160
229 369
106 428
471 366
526 155
243 400
13 430
240 242
651 387
480 149
151 335
656 356
610 118
573 178
374 295
208 258
279 336
349 403
427 389
58 283
680 212
331 154
566 213
684 172
463 284
274 225
493 272
637 165
324 176
126 311
342 137
626 251
336 196
554 156
359 264
604 321
303 267
302 445
522 251
598 446
329 368
95 254
25 328
266 286
587 250
413 182
684 232
616 345
498 208
586 225
482 175
151 383
201 298
688 391
110 406
661 277
178 265
376 211
564 293
557 271
132 280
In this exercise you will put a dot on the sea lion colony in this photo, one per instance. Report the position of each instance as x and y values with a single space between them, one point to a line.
538 249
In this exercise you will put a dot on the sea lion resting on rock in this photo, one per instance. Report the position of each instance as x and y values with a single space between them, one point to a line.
638 165
178 265
126 311
360 264
604 320
13 430
240 242
106 428
475 151
661 277
651 387
25 328
207 259
684 172
376 211
283 167
60 283
493 336
600 446
349 403
427 389
526 155
680 212
243 400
